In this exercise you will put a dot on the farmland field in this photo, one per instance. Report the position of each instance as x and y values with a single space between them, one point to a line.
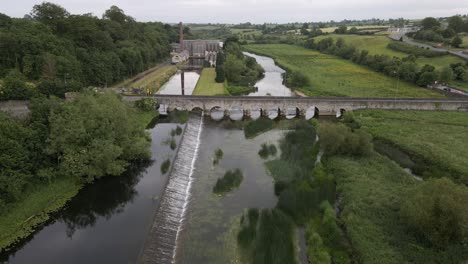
332 76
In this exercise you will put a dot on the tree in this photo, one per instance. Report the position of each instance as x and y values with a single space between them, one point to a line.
233 68
15 87
353 30
50 14
429 23
446 75
437 211
115 14
456 41
341 30
95 135
427 78
455 23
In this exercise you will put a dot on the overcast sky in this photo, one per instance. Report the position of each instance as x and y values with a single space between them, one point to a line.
256 11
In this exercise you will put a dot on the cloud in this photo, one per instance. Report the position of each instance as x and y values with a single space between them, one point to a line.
257 11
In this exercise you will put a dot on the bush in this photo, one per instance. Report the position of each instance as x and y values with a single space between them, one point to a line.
437 211
165 166
416 51
297 79
338 139
218 155
146 104
256 127
231 180
173 144
178 130
267 150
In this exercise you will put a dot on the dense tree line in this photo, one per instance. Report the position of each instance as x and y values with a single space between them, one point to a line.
432 30
404 68
416 51
84 139
63 52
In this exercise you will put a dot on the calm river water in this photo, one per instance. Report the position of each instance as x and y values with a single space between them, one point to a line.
109 220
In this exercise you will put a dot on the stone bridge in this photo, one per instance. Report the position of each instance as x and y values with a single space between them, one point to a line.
301 105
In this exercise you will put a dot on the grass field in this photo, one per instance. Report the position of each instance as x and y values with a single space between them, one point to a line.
378 45
439 138
206 85
156 79
34 209
371 191
332 76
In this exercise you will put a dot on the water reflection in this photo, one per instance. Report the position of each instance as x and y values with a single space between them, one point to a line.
107 221
173 86
272 83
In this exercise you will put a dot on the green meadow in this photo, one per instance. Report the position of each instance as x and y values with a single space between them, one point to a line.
333 76
207 85
436 140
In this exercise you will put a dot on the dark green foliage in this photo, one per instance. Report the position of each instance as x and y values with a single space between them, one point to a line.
173 144
66 52
15 87
267 150
416 51
179 117
257 127
325 240
280 186
238 90
173 133
231 180
95 135
267 237
437 211
220 74
82 140
165 166
146 104
218 155
457 41
429 23
15 155
338 139
178 130
239 70
297 79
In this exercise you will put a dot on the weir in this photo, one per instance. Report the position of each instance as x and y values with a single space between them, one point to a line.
161 244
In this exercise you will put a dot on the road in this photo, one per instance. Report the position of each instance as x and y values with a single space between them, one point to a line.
426 46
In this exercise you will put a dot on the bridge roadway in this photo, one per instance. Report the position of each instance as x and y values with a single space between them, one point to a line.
323 105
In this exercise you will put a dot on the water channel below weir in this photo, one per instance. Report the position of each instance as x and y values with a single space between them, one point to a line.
109 220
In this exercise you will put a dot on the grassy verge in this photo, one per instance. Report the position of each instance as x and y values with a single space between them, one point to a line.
207 85
155 80
437 139
372 189
24 216
332 76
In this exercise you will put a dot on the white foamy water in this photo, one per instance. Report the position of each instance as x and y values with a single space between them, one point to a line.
161 244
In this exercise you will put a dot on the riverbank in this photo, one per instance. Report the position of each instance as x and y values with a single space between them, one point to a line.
25 216
33 200
332 76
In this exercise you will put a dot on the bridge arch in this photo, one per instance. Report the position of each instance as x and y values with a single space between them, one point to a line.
340 112
236 113
216 113
312 112
255 112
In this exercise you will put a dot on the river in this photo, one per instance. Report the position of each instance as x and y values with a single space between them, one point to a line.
272 83
109 220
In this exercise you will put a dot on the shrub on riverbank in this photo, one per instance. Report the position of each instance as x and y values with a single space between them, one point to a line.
231 180
66 144
257 127
338 139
